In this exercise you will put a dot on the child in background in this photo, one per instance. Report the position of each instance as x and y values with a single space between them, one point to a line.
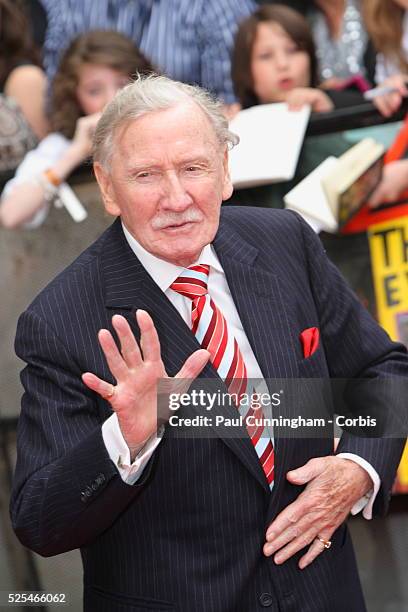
94 67
274 60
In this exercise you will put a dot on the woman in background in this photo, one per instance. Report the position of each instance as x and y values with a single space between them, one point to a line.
20 70
343 48
94 67
387 22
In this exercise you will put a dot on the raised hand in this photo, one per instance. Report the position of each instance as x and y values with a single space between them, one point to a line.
84 131
137 371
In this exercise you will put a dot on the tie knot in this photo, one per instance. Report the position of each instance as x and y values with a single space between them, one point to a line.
192 282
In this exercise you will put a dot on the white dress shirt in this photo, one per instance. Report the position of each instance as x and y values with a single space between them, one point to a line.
164 274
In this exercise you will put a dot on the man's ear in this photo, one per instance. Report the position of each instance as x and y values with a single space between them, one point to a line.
105 185
227 187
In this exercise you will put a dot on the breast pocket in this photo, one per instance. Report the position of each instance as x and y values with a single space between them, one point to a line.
314 366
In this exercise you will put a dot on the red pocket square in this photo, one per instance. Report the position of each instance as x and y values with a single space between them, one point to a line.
310 340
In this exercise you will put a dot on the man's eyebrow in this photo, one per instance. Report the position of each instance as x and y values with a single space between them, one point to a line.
145 164
136 167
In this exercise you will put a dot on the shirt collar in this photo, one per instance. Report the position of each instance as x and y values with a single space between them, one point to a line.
163 272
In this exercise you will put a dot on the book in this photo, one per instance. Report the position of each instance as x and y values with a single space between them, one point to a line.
271 138
336 190
309 199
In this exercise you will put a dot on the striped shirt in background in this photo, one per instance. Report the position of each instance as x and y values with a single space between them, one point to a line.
189 40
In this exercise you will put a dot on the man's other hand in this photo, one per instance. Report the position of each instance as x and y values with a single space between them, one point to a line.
334 485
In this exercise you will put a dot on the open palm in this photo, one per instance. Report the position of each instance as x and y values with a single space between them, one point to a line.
137 371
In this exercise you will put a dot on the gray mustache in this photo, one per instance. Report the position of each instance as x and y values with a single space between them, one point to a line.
189 216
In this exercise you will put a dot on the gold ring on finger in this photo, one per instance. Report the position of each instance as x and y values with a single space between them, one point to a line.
326 543
111 393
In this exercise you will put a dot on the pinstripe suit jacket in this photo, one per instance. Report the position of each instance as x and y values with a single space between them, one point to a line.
189 535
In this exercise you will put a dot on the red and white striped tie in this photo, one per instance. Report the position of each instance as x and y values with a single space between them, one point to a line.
211 330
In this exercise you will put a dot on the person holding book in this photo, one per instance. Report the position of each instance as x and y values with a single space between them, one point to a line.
95 66
345 53
274 61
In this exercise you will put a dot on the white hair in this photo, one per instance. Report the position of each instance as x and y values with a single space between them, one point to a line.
152 93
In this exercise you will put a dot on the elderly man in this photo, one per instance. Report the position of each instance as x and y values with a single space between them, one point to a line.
174 289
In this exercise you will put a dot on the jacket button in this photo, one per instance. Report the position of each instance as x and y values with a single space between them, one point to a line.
266 600
85 495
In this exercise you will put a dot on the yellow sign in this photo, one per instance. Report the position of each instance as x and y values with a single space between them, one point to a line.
389 262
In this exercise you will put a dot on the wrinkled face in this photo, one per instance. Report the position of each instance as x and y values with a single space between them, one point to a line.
97 86
277 65
167 180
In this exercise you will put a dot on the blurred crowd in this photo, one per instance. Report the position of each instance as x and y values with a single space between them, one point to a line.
62 61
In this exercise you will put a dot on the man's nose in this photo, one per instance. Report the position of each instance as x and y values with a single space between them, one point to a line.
175 195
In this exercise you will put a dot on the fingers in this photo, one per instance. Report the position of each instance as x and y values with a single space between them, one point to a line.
295 102
132 357
292 533
103 388
388 104
298 534
307 472
323 103
149 340
285 520
296 527
316 548
129 356
115 361
294 546
128 345
194 364
377 197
